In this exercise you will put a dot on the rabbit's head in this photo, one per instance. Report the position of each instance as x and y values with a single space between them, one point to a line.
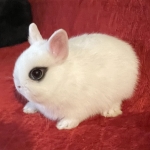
32 68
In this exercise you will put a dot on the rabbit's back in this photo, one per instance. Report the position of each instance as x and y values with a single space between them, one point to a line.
104 62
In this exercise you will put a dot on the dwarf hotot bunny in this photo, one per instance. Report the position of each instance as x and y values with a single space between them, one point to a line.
71 80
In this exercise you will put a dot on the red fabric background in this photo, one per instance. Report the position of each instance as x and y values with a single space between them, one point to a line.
129 20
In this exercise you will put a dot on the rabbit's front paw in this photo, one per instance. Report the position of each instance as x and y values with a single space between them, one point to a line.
29 108
67 124
112 112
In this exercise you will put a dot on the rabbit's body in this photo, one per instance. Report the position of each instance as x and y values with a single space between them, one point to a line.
99 72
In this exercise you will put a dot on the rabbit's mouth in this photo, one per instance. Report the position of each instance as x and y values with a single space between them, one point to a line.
26 92
31 95
22 90
18 88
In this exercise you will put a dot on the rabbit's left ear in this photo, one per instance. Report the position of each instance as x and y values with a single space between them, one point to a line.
34 34
58 45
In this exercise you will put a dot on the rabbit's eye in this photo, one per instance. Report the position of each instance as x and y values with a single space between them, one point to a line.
37 73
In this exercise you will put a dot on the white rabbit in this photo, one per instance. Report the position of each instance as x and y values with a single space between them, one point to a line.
72 80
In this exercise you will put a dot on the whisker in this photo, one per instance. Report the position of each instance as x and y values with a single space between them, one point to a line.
12 84
8 78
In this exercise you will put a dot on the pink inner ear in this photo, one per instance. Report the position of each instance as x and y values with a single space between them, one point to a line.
58 43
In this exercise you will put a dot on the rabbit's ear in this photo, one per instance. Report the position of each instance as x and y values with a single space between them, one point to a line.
58 44
34 34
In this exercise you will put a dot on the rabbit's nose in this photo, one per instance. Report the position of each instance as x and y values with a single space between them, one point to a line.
19 86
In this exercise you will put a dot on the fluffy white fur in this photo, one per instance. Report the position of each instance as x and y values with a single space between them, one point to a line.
87 75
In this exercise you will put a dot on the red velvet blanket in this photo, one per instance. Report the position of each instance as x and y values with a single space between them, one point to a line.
126 19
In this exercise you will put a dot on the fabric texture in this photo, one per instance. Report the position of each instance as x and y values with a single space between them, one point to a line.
128 20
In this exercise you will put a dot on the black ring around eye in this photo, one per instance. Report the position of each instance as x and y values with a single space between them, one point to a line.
37 73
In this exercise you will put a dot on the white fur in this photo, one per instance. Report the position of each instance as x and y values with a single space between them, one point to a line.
97 74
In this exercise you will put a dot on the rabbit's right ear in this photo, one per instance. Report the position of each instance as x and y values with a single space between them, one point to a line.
58 45
34 34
